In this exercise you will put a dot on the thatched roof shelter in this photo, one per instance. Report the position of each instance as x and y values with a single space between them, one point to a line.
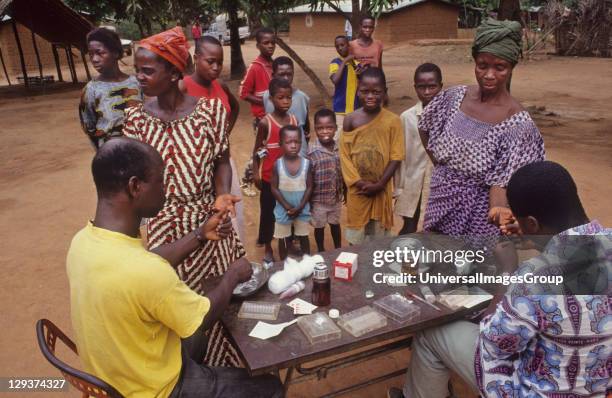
55 22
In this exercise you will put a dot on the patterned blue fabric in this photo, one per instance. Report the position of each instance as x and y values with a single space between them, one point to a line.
560 346
472 157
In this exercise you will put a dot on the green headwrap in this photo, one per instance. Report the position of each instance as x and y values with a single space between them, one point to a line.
500 38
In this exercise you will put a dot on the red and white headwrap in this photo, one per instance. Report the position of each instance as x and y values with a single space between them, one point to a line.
171 45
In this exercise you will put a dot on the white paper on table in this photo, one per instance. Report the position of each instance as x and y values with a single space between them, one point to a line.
265 330
301 307
460 298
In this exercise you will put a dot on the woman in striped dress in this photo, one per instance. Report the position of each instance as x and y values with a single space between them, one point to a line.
191 136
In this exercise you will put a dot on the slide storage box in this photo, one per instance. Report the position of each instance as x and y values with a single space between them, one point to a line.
397 307
362 320
319 328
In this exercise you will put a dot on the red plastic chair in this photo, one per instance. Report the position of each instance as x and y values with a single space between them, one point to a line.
89 385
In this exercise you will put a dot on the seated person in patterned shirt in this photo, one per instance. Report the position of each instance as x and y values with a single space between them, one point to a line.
137 325
533 345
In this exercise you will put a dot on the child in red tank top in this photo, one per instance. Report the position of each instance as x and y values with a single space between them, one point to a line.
265 152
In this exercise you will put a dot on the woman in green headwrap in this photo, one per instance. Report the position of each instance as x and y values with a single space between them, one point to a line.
477 136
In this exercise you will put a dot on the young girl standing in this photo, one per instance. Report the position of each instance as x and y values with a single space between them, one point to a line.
205 82
105 98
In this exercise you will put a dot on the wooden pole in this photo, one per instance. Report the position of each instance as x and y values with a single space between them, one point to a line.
60 78
71 64
85 64
21 57
40 68
8 79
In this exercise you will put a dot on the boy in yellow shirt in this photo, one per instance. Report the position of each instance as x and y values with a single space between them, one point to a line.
371 149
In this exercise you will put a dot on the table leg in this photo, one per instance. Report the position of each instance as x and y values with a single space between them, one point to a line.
288 378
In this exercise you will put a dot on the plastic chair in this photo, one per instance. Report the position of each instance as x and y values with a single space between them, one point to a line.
89 385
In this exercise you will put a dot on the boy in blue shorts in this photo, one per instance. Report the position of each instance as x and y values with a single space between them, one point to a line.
291 184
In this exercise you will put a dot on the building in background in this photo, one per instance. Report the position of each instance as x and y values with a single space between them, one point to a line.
407 20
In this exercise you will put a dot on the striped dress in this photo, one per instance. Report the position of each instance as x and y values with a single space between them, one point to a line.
189 147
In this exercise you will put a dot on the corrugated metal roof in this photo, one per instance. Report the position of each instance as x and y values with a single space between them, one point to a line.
346 6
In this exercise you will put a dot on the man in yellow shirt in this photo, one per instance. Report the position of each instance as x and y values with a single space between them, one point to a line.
129 308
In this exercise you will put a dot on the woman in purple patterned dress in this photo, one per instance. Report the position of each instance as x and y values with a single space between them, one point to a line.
477 136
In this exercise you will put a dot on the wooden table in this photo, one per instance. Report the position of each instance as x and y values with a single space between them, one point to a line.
291 349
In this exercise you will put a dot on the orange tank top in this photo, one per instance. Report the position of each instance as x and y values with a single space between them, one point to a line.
214 91
367 55
273 145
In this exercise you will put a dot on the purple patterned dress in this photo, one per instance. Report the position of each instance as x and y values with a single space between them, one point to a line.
472 156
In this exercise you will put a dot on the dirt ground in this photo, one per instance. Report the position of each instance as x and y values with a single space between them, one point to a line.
48 193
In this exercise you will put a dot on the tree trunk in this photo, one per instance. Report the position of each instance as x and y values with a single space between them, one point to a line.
365 7
355 17
604 31
309 72
238 67
140 29
147 26
510 10
254 19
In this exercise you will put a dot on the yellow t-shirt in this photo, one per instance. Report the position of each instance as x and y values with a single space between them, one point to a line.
364 154
129 311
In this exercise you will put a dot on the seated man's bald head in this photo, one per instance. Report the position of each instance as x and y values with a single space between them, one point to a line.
120 159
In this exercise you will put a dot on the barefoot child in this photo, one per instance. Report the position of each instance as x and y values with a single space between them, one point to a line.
265 153
291 184
371 149
252 87
412 177
326 200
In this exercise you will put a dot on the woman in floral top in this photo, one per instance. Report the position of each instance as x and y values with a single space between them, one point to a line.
105 98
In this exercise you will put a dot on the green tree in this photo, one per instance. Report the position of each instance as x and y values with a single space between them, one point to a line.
147 14
237 67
